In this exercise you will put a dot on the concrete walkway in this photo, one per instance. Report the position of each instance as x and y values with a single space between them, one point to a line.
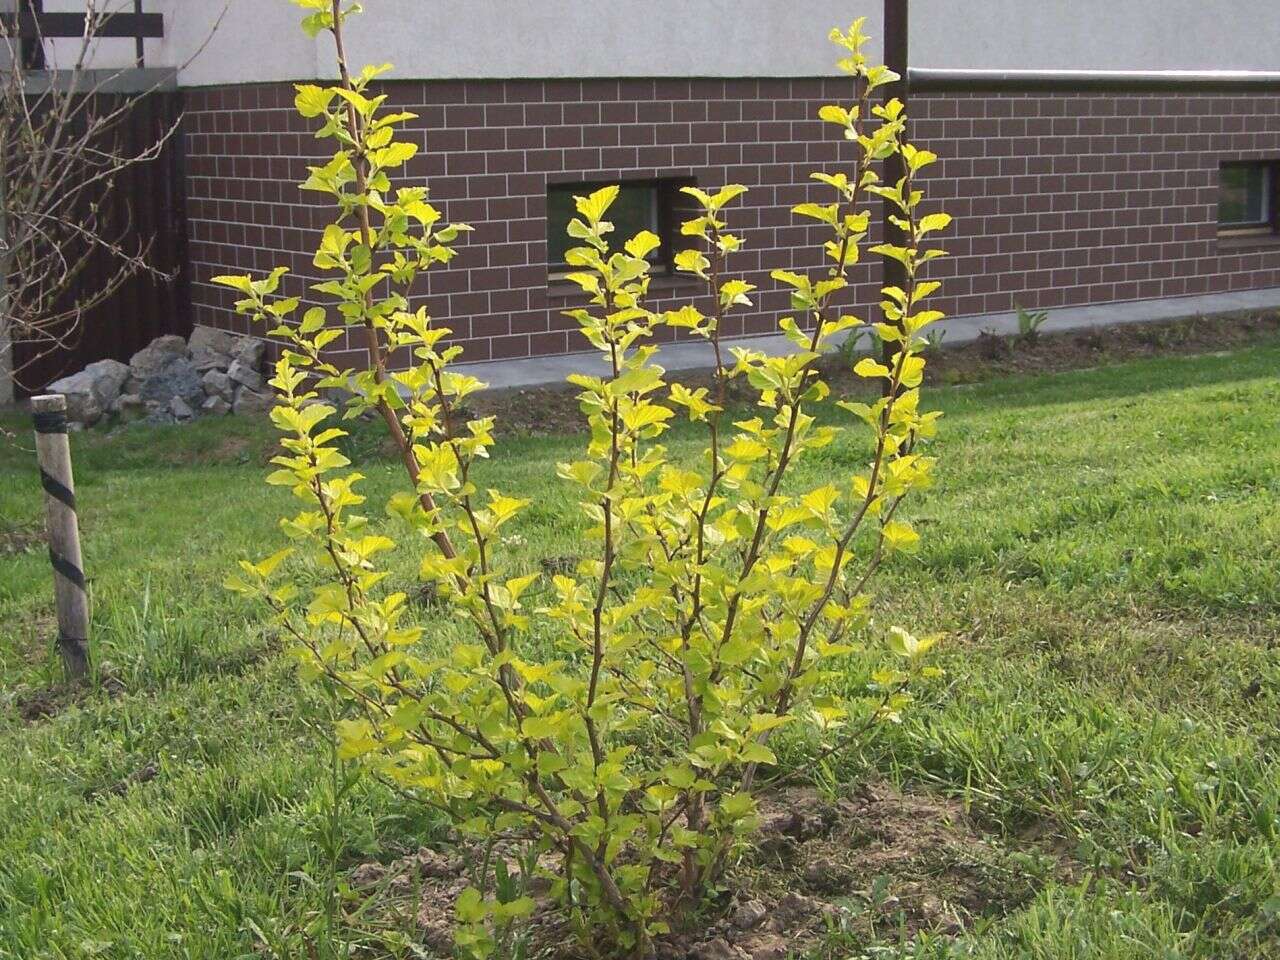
541 371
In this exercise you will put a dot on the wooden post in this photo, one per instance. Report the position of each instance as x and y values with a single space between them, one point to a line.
53 451
140 49
897 59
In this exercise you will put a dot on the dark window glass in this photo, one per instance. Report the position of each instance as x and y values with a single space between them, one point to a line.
1244 195
637 208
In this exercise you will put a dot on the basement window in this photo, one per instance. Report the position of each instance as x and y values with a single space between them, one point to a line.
655 205
1247 198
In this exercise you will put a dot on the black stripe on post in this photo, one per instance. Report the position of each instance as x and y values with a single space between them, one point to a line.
70 589
56 490
68 570
76 651
50 421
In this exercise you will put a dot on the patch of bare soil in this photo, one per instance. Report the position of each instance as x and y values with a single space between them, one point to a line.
423 885
16 538
232 449
43 703
993 355
543 411
532 411
144 774
825 874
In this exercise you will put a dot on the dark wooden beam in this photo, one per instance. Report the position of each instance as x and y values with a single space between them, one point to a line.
923 80
32 50
140 48
54 25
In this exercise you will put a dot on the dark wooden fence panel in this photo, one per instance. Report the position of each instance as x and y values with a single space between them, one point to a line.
149 199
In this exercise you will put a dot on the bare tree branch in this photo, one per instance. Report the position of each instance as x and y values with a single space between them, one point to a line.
62 149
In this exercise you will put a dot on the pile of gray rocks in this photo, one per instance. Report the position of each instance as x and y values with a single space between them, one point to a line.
172 380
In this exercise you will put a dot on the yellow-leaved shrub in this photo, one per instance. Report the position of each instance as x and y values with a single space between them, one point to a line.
620 722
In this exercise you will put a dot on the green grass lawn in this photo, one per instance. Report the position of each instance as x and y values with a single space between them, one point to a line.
1102 549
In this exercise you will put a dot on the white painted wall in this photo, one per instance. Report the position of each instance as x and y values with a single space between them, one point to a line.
525 38
239 41
1096 34
259 40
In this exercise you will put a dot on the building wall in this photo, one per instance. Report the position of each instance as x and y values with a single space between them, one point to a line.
1065 199
1058 199
489 150
1096 34
259 40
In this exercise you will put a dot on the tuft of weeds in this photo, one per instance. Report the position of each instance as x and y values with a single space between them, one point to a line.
852 347
1029 324
933 343
19 536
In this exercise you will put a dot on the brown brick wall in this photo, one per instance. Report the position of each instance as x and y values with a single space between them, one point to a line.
1083 199
1058 199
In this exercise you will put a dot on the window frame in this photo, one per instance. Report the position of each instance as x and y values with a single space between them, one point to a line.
1271 224
666 198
